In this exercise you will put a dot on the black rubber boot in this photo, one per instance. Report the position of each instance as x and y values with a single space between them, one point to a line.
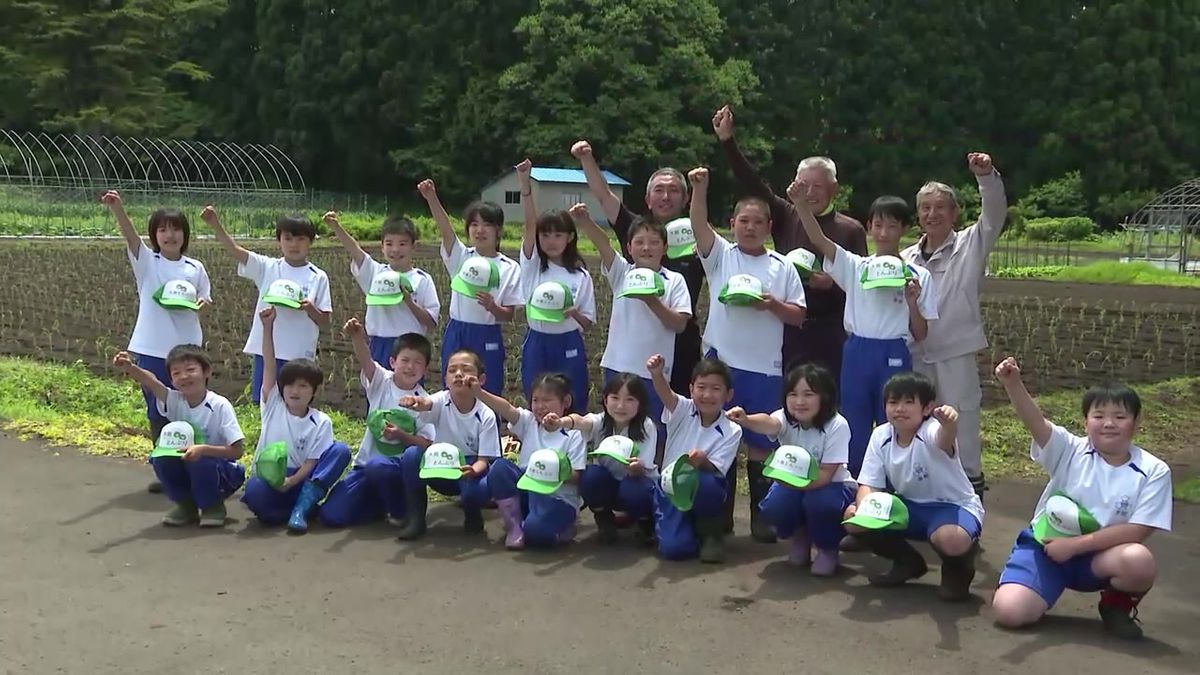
730 496
957 574
907 562
712 540
417 503
760 529
606 525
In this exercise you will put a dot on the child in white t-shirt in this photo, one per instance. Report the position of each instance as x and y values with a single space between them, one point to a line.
374 488
297 287
171 289
807 509
460 419
477 312
401 298
702 437
315 461
914 455
753 292
201 471
534 519
616 481
1105 497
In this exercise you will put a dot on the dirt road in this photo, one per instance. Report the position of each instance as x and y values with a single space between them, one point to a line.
91 582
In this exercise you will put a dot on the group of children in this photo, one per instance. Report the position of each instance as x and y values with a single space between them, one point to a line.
885 469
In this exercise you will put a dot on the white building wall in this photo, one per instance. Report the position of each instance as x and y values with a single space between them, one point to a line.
546 195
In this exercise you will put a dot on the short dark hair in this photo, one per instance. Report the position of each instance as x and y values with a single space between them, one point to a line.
414 341
820 380
891 206
297 226
637 389
707 366
479 367
557 384
488 212
401 225
1117 393
163 217
639 224
194 353
305 370
910 385
752 201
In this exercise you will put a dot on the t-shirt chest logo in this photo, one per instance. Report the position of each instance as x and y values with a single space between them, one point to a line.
920 472
472 443
1124 507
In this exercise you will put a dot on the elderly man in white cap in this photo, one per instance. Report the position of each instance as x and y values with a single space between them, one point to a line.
958 261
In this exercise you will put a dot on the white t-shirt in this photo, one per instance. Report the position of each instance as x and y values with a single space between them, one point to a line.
214 416
1137 492
508 294
921 472
535 437
828 446
474 432
746 338
649 445
158 329
878 313
383 394
295 334
396 320
580 283
307 437
685 433
639 333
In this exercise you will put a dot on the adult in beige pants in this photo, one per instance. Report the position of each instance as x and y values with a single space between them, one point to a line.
958 261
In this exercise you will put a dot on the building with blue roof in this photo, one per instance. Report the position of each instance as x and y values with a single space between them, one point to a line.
553 188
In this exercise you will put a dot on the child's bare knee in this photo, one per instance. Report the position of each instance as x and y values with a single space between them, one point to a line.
952 540
1014 608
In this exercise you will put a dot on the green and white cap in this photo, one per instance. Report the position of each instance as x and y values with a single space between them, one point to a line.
377 421
880 511
477 275
643 281
548 469
388 288
741 289
1062 518
284 293
549 302
175 438
619 448
793 465
178 294
681 240
805 261
442 460
271 463
680 481
885 271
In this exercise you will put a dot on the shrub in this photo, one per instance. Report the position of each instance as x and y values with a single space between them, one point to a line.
1055 198
1074 228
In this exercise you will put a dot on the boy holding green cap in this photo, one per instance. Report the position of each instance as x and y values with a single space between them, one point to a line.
1105 497
296 438
202 471
375 487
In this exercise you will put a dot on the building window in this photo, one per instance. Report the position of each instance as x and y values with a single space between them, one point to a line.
571 199
512 197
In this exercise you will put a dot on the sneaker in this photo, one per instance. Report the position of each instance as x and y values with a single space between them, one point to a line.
826 563
154 488
606 525
1119 613
904 569
183 513
213 516
472 521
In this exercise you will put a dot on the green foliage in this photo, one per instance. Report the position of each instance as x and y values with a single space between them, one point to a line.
1074 228
1107 272
1060 197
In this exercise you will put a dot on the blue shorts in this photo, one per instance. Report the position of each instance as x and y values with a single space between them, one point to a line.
158 367
381 350
486 340
1029 566
924 518
756 393
556 353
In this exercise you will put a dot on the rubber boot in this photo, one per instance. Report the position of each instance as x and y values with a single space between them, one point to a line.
606 526
731 486
760 529
800 554
711 532
957 574
181 513
510 513
416 503
310 494
907 562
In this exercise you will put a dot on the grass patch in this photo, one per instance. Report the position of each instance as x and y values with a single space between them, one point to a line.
1188 490
1107 272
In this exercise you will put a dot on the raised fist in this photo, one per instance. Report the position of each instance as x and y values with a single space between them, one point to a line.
581 149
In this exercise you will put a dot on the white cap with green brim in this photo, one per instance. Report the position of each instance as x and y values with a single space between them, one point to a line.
793 465
175 438
547 470
681 240
679 482
805 261
880 511
741 289
618 448
642 281
178 294
549 302
1062 518
271 463
442 460
284 293
885 271
477 275
388 288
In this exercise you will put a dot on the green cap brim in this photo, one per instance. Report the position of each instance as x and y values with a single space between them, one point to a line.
641 291
683 251
548 315
884 283
180 304
458 285
529 484
385 300
739 299
785 477
446 473
166 452
281 302
612 455
376 422
869 523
